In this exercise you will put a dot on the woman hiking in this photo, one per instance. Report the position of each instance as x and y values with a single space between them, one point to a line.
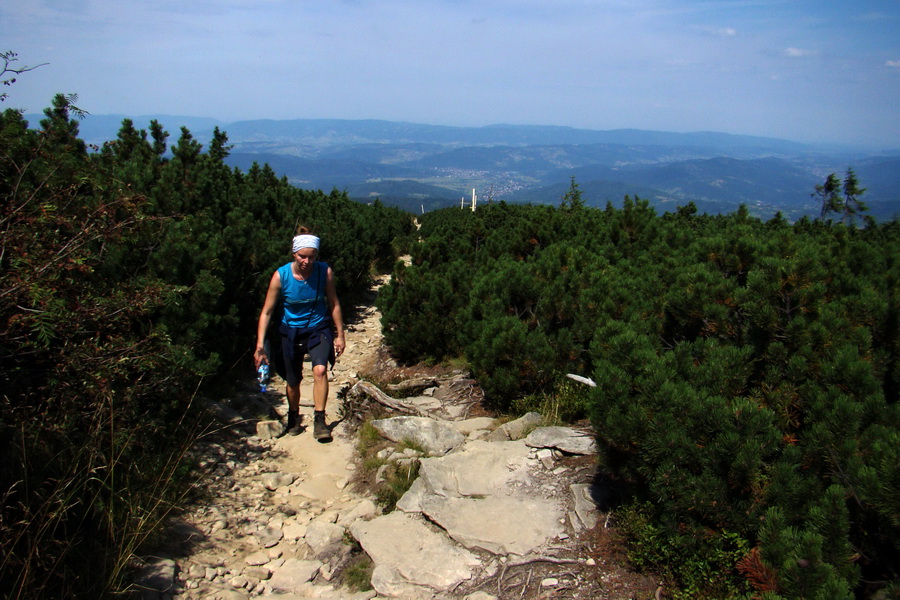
312 324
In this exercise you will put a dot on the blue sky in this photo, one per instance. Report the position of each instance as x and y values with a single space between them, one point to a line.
805 70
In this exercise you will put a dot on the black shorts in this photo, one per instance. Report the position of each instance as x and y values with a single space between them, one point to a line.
318 355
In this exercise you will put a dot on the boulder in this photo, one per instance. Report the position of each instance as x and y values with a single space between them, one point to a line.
293 574
268 430
432 435
468 426
155 578
585 509
516 430
564 439
322 536
418 555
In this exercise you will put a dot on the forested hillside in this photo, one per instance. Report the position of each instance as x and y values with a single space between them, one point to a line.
746 370
747 375
413 166
131 278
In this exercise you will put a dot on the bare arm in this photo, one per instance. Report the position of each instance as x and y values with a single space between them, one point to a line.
265 316
334 306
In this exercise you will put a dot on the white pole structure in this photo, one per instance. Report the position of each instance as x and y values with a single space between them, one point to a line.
462 201
473 199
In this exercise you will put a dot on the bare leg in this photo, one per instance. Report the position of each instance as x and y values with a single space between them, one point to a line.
320 387
320 397
293 397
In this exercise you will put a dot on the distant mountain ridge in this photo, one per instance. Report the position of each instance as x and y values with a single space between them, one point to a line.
96 128
417 166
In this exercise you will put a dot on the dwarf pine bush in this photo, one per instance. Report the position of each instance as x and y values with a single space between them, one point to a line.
747 373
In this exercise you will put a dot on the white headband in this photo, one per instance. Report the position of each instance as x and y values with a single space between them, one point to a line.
304 241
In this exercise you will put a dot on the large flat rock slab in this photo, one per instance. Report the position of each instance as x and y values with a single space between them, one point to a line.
403 545
484 496
498 524
478 469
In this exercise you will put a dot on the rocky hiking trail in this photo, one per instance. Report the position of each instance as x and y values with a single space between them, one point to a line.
498 510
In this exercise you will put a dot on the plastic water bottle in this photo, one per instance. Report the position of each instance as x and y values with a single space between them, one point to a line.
263 377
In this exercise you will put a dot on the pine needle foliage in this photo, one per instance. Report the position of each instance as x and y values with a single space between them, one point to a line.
130 276
747 373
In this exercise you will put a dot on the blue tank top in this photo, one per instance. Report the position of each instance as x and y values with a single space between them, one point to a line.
305 302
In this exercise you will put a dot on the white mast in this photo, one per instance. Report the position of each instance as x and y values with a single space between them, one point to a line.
473 199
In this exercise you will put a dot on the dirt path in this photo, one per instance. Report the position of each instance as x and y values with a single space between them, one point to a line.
328 466
260 494
273 505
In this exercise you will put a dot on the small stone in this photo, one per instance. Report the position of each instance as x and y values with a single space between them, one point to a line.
379 474
294 531
550 582
196 571
258 573
269 536
330 516
590 562
218 525
273 481
257 558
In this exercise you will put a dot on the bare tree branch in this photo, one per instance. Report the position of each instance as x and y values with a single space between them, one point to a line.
8 58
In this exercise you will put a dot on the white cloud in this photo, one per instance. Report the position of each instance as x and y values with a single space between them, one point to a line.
719 31
893 63
798 53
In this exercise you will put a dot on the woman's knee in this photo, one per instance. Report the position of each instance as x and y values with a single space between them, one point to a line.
320 372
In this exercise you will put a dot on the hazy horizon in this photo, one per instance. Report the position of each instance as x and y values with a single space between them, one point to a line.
787 69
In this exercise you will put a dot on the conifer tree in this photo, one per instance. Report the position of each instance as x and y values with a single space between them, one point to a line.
829 195
853 205
572 199
218 146
159 136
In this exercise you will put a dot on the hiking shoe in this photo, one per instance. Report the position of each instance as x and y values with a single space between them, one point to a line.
320 429
293 423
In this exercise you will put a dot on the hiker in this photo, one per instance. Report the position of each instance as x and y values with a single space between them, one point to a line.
311 324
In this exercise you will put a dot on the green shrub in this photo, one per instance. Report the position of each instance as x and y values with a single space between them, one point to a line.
398 478
696 563
128 279
357 575
741 366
